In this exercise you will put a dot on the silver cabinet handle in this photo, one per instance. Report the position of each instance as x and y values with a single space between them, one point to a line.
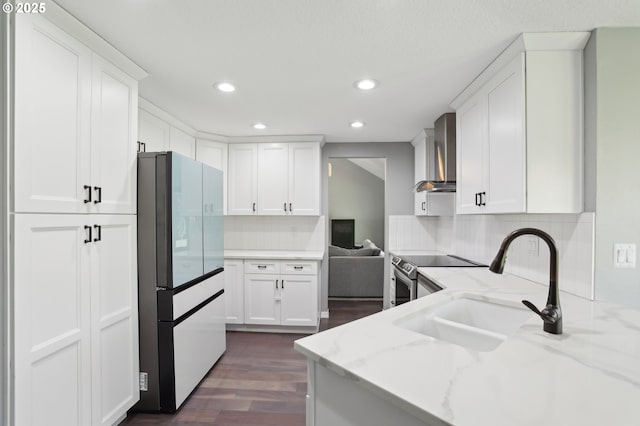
290 208
285 207
277 283
254 207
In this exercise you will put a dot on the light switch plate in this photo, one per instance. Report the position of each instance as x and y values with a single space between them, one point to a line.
624 256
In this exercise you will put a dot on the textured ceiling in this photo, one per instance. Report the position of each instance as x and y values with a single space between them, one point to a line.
294 61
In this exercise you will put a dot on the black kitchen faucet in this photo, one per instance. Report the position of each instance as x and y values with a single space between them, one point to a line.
551 314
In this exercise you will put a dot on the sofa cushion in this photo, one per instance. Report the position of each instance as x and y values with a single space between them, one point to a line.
338 251
361 252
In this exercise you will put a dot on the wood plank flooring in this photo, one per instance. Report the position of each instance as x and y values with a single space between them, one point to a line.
259 381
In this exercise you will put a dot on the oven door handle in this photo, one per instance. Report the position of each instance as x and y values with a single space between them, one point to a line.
406 281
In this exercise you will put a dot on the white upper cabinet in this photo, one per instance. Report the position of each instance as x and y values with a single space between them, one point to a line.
113 132
52 119
420 172
153 133
274 179
519 130
304 179
75 124
214 154
428 203
471 140
182 143
243 179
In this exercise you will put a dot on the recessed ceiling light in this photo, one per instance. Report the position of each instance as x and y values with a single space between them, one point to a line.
259 126
366 84
223 86
356 124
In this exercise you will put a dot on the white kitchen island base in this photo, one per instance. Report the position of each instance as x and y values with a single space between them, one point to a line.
340 401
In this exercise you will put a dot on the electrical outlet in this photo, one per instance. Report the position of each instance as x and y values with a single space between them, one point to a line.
533 246
624 256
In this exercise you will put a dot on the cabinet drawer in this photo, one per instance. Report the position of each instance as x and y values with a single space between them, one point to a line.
299 267
261 267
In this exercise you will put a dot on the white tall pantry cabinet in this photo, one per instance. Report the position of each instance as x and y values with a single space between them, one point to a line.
73 226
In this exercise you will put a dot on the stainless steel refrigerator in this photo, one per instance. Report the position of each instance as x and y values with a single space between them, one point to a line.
180 277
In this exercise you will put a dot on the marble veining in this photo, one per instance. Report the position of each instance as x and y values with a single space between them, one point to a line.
590 375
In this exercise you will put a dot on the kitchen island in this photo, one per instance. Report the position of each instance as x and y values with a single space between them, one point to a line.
374 372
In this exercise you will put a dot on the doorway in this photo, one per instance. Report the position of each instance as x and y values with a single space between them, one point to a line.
356 210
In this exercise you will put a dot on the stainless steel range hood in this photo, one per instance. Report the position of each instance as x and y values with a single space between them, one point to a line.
444 157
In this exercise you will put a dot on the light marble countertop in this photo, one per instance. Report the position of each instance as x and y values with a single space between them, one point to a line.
590 375
274 254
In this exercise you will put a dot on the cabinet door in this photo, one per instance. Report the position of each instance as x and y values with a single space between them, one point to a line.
52 323
272 179
260 294
505 144
299 300
52 118
243 179
182 143
215 155
234 291
113 139
471 137
153 132
420 173
114 318
304 179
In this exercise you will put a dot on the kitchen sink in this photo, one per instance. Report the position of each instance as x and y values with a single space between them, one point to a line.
479 324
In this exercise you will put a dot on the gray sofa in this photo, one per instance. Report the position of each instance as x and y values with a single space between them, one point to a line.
356 273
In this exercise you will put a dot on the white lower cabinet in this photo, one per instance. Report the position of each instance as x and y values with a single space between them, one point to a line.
234 291
75 319
272 292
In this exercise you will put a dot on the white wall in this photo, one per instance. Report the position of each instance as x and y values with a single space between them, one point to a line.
354 193
612 86
274 233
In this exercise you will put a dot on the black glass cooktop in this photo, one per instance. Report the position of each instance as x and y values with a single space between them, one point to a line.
438 261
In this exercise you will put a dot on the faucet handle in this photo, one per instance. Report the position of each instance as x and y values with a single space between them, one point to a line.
548 316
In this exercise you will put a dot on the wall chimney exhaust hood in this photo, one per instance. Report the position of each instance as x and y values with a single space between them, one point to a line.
444 157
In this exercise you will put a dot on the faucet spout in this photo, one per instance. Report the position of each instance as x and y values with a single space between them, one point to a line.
551 314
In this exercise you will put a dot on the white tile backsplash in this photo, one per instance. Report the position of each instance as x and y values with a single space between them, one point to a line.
412 233
478 237
274 233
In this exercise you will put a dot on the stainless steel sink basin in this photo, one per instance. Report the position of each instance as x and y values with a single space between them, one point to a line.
474 323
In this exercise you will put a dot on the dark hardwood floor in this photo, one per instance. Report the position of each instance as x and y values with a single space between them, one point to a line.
259 381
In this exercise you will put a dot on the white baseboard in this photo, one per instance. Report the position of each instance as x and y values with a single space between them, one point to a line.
324 314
